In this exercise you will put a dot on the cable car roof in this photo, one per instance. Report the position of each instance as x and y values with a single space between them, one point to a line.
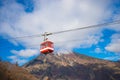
47 41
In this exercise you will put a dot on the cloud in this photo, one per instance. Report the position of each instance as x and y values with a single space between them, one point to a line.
14 59
115 27
22 56
26 53
114 46
113 58
98 50
52 16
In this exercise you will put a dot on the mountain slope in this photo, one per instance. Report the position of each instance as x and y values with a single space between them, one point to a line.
12 72
72 67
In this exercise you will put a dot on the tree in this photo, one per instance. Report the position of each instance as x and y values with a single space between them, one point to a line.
16 63
0 59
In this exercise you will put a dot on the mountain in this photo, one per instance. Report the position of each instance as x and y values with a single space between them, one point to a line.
12 72
72 66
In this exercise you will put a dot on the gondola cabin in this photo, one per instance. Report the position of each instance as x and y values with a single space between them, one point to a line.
46 47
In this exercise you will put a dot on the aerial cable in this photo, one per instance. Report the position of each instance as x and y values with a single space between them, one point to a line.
58 42
70 30
75 29
92 26
36 35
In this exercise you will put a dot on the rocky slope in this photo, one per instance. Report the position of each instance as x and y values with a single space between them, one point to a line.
72 66
12 72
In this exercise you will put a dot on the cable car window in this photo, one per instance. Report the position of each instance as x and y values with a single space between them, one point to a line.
46 44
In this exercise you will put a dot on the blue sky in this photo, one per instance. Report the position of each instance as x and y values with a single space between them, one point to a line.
29 17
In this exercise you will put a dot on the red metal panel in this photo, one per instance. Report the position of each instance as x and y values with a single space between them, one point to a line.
46 47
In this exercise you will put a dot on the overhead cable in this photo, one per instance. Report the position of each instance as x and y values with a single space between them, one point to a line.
69 30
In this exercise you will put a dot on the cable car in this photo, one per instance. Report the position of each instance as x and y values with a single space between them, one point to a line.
46 47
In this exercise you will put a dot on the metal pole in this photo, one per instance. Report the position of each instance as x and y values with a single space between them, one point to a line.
45 35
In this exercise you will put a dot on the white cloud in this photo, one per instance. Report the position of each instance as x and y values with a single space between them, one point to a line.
116 27
98 50
26 53
55 16
114 46
63 51
113 58
22 56
15 59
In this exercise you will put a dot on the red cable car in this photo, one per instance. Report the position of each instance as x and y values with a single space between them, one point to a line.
46 47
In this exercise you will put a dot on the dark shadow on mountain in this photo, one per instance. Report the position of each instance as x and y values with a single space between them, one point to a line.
78 72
